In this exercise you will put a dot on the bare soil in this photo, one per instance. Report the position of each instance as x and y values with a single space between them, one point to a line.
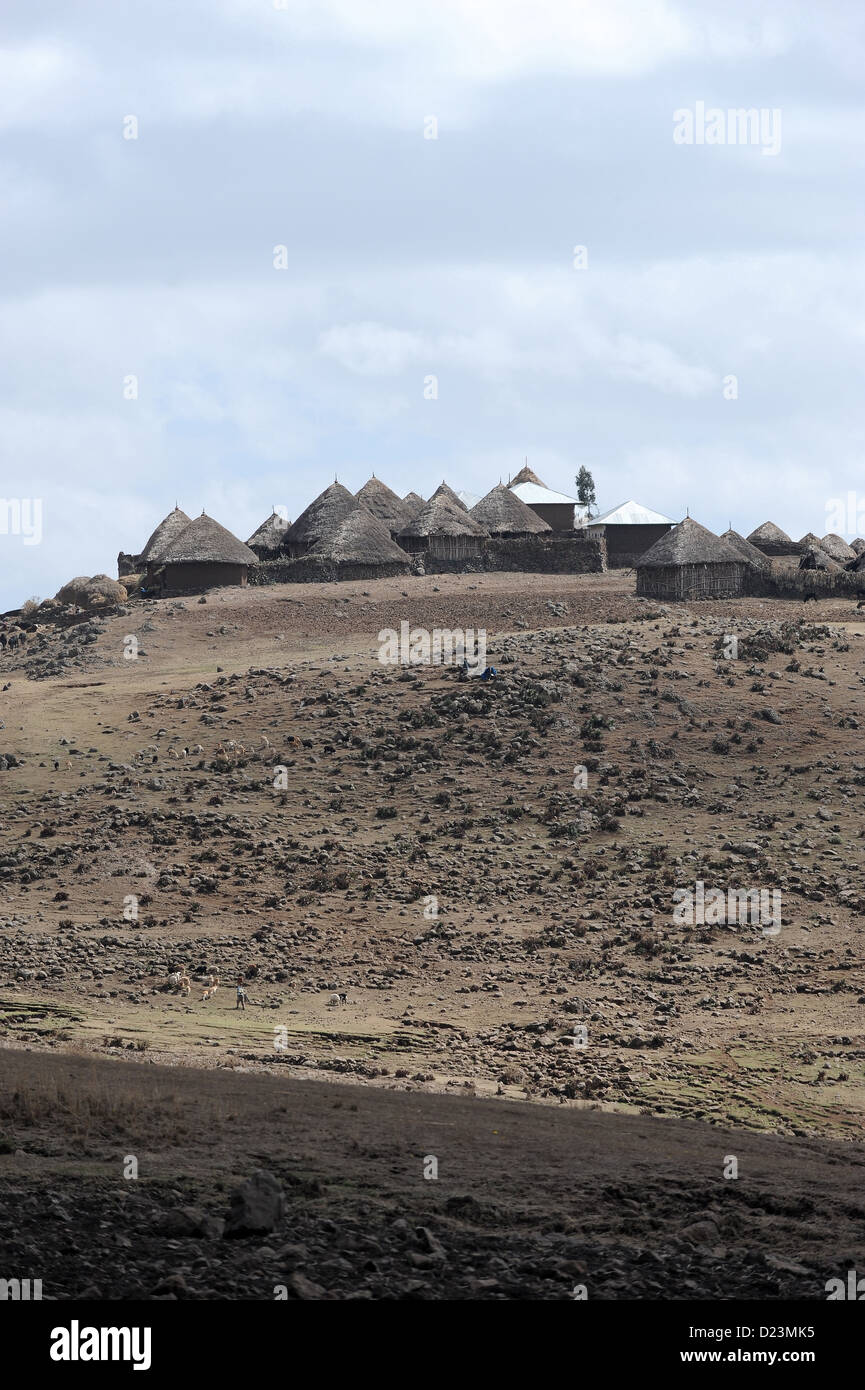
420 844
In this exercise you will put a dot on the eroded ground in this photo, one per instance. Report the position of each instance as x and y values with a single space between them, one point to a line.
426 849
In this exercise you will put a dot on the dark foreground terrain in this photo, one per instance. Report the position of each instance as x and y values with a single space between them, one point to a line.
530 1202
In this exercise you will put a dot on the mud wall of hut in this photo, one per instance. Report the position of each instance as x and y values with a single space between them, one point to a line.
192 577
625 544
559 515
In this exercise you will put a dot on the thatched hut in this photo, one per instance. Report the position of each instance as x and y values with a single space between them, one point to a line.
204 555
858 545
629 531
748 552
320 519
266 542
441 529
359 548
443 490
557 509
772 540
385 505
690 562
501 513
414 502
836 547
168 530
815 558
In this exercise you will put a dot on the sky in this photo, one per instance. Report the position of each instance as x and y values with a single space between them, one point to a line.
252 245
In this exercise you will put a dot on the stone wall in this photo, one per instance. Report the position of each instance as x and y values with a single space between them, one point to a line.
303 570
547 553
798 584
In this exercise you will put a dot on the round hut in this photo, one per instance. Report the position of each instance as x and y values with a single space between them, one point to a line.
815 558
443 531
266 541
203 556
320 519
772 540
858 545
690 562
838 549
414 502
360 547
501 513
443 490
385 505
748 552
168 530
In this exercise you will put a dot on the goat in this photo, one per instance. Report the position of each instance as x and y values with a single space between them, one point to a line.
337 1001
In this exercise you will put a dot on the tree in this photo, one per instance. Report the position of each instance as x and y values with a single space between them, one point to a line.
586 490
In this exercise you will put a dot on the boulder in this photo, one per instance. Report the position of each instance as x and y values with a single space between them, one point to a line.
256 1206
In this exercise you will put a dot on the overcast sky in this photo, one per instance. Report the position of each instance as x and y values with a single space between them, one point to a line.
410 258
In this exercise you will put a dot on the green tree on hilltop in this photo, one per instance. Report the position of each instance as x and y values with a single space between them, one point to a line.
586 490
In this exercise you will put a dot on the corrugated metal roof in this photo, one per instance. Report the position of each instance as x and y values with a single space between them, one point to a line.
470 499
632 514
535 496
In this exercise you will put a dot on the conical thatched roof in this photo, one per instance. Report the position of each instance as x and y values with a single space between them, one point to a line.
444 491
858 545
383 503
167 531
809 539
745 550
689 543
321 517
269 536
438 517
769 534
360 538
837 548
205 542
526 475
502 513
817 559
414 502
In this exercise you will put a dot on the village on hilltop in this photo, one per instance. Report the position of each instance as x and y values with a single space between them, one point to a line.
522 525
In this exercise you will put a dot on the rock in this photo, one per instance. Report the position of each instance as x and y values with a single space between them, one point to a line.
304 1288
256 1206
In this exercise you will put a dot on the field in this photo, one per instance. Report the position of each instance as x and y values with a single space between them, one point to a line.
489 872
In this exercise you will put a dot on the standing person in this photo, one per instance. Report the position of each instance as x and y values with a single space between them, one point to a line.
241 994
